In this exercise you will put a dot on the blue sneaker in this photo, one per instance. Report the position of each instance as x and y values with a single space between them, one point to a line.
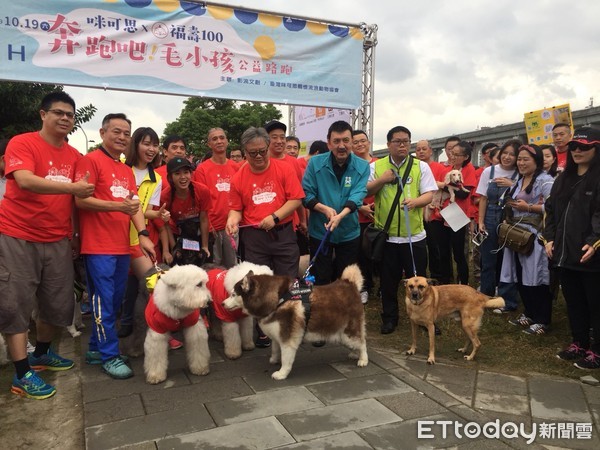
49 361
32 386
94 358
117 368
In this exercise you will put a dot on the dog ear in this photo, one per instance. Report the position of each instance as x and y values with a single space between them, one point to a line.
246 283
432 282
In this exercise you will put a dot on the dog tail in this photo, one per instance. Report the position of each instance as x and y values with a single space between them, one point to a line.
353 275
494 302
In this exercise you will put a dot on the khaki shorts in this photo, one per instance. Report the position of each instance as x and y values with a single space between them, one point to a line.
33 274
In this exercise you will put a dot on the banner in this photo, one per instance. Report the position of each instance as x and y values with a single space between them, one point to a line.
539 123
312 124
181 47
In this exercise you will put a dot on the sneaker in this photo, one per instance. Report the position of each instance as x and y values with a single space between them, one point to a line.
263 341
86 308
522 321
49 361
537 328
502 310
174 344
32 386
591 361
117 368
364 297
572 353
94 358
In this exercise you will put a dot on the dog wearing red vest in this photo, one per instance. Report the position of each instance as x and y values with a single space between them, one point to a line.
174 305
234 327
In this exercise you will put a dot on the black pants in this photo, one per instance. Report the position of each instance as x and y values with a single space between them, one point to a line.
397 262
583 306
450 243
537 300
276 248
332 259
366 266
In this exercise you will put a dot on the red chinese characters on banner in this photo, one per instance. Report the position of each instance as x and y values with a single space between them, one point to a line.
65 30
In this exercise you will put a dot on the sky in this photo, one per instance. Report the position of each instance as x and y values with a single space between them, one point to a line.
442 67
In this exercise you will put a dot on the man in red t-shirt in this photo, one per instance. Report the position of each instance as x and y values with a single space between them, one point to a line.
174 146
35 248
216 173
105 222
561 135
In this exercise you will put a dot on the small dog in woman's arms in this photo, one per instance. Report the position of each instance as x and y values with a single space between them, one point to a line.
331 313
426 303
179 295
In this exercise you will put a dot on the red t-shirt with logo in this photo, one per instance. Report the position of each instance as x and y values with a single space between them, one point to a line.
258 195
181 209
105 232
217 177
37 217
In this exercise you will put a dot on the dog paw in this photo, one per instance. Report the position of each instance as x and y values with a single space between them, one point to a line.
273 360
155 379
411 351
279 375
235 355
462 350
468 357
248 347
362 362
431 361
200 370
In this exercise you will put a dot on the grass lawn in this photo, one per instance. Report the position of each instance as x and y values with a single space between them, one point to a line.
504 347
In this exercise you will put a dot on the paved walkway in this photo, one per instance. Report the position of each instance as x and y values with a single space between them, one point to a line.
328 402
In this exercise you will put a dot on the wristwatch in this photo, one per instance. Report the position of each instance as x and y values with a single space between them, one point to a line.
275 218
144 233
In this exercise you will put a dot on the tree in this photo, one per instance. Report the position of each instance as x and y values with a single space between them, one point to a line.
20 112
200 115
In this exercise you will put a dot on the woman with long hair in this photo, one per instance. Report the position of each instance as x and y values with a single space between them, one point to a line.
142 153
572 234
530 272
550 160
494 184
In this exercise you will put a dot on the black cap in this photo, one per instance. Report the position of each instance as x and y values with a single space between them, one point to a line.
177 164
275 125
586 135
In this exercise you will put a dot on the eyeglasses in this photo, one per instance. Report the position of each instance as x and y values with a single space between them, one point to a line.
400 141
59 113
262 152
578 146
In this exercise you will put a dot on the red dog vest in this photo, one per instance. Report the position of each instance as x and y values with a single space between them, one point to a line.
216 286
161 323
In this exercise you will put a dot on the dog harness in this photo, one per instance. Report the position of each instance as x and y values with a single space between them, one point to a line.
300 291
216 286
161 323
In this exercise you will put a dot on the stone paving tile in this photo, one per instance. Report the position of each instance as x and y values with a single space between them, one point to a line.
405 434
411 405
444 373
258 364
592 393
463 392
255 434
173 399
558 400
349 369
309 355
502 402
498 382
483 444
264 404
383 358
320 422
151 427
348 441
426 388
415 365
112 410
358 388
299 376
108 388
141 446
472 415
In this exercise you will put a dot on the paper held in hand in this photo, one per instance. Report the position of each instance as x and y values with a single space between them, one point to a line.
454 216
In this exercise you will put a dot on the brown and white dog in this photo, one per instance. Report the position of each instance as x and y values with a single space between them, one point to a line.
426 303
336 315
453 181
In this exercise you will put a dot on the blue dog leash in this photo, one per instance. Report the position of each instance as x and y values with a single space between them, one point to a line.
307 276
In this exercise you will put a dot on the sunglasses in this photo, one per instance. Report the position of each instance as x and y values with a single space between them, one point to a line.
583 147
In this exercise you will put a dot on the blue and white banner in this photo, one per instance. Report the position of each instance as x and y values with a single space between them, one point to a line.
181 47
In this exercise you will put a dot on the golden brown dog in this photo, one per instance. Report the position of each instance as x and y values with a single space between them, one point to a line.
426 303
336 315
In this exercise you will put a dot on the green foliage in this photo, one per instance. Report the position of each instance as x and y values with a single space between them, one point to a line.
20 112
201 114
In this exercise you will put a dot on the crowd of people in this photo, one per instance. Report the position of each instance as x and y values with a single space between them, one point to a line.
128 205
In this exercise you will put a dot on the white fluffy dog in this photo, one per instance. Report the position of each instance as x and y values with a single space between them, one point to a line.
179 295
237 327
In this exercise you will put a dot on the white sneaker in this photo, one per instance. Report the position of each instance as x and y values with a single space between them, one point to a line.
364 297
